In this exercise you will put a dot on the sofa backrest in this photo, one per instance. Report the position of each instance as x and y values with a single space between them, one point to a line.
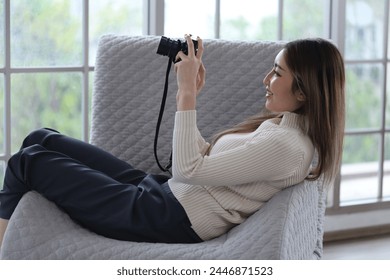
128 87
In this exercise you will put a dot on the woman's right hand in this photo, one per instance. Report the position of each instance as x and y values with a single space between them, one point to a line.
200 79
191 75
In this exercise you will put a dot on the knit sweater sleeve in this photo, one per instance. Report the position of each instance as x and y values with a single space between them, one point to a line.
203 145
269 156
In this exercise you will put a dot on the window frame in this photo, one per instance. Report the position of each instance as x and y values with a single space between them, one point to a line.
334 29
337 21
85 69
153 24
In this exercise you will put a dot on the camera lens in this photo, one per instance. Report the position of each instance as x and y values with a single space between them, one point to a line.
168 47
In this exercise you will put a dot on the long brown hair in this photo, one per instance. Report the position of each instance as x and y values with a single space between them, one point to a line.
318 70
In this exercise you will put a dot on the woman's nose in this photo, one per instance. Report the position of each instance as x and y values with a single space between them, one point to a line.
266 79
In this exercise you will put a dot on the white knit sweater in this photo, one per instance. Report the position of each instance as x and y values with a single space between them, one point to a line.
242 172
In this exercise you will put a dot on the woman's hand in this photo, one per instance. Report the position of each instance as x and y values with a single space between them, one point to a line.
191 75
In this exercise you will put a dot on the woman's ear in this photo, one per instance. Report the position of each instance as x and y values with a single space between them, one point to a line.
300 96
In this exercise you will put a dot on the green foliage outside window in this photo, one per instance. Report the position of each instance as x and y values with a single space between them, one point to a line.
49 33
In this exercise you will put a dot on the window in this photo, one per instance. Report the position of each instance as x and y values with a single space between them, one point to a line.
360 28
366 157
240 23
263 20
198 20
47 63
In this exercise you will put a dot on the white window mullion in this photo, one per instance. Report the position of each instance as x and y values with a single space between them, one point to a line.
280 20
7 81
327 31
217 24
145 17
337 9
153 17
337 29
85 72
386 23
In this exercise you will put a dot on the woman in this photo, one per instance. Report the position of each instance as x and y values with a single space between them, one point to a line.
214 186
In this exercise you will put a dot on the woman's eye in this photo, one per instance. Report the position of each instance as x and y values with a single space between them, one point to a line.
276 73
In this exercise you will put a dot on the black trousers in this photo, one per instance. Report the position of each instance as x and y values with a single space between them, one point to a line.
96 189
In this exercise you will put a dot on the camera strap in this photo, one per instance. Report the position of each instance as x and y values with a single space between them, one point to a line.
160 116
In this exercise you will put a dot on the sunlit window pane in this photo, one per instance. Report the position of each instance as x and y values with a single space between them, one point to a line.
364 95
46 32
2 21
364 29
189 17
45 100
304 19
2 115
249 20
113 17
360 169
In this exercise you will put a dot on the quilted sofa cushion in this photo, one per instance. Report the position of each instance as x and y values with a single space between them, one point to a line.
129 81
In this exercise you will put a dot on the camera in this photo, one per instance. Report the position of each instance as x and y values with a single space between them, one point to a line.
170 48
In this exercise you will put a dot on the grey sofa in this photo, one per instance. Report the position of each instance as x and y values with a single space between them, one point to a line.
128 86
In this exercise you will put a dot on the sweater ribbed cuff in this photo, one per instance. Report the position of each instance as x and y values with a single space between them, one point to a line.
185 119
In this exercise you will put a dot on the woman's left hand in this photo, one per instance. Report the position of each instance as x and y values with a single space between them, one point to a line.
191 75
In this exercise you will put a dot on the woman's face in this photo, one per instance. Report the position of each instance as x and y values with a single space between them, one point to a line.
278 82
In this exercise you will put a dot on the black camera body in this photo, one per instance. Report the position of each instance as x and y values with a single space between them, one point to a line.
170 48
